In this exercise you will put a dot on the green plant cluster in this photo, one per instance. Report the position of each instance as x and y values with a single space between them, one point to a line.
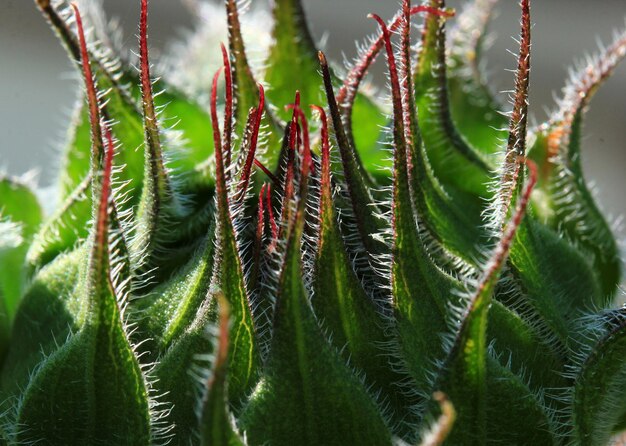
294 262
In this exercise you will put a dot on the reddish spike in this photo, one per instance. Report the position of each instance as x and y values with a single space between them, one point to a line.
347 93
270 212
102 224
393 74
217 139
516 148
146 83
260 229
92 96
581 89
517 139
307 159
297 100
293 138
266 171
406 76
247 170
228 112
325 175
289 175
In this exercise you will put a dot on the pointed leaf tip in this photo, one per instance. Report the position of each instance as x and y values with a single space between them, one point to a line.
266 171
516 146
217 136
363 206
92 95
399 120
99 263
146 82
348 91
228 111
257 116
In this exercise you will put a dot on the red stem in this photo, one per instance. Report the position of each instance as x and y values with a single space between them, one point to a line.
228 112
92 96
247 170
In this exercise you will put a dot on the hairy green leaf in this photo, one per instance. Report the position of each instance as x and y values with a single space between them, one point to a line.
599 401
306 384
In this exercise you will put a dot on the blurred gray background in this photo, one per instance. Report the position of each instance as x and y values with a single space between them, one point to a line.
37 83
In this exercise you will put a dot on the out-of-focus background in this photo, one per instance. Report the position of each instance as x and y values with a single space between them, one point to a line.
38 82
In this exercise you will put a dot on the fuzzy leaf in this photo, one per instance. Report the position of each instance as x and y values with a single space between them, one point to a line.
340 301
91 389
525 349
319 398
565 201
216 426
246 92
175 314
292 61
465 373
362 203
420 290
599 400
68 226
454 162
474 109
556 280
122 84
453 222
61 231
159 205
50 299
526 421
228 275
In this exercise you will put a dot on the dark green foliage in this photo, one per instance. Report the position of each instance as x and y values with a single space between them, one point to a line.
431 303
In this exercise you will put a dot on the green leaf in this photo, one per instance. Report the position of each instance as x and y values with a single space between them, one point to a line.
524 348
216 425
421 292
91 389
340 301
465 376
63 229
454 162
599 400
247 92
566 202
175 314
122 106
20 217
474 110
292 61
306 384
358 185
527 421
51 301
122 82
453 221
555 280
228 276
69 224
159 205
